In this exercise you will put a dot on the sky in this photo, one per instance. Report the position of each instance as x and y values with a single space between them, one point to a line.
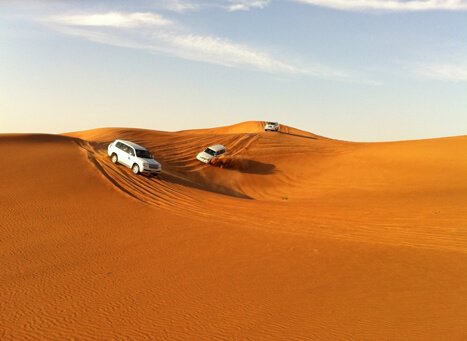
360 70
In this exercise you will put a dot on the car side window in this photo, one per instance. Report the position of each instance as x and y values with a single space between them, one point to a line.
119 145
124 147
131 151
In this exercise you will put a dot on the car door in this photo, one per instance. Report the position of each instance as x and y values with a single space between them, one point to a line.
123 153
131 156
120 151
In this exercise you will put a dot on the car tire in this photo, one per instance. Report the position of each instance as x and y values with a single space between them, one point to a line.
135 169
114 158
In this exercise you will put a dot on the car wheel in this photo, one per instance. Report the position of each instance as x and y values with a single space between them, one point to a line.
135 169
114 158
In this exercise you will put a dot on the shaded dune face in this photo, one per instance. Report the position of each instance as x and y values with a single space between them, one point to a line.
289 236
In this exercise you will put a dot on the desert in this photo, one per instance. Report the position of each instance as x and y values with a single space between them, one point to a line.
233 170
297 236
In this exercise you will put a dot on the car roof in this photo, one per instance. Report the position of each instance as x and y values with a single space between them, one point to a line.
132 144
217 147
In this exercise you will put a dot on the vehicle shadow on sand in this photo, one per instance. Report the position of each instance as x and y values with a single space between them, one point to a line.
243 165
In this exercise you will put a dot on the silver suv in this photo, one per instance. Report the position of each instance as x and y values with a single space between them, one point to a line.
207 155
272 126
133 156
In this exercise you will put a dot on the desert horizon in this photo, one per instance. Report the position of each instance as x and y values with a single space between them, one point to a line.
292 236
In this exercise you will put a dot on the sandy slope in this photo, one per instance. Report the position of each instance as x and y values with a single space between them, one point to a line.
296 237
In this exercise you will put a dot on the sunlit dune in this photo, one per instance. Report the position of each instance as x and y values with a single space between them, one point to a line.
290 236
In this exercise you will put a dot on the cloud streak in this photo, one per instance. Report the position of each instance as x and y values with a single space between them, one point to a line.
443 71
113 19
390 5
246 5
179 6
155 33
182 6
225 52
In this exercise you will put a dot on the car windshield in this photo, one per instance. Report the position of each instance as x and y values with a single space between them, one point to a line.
143 154
210 151
272 123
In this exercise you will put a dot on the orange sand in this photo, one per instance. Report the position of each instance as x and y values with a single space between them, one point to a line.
296 237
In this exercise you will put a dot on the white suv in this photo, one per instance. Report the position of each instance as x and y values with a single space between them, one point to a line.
133 156
210 153
272 126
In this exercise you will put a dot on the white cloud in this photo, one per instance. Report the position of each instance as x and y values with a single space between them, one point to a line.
246 5
443 71
225 52
180 5
390 5
155 33
113 19
193 5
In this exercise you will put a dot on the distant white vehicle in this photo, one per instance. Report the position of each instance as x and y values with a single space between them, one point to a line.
272 126
133 156
210 153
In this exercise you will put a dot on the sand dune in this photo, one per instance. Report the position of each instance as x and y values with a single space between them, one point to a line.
291 236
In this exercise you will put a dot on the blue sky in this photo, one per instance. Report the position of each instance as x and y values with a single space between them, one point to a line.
362 70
